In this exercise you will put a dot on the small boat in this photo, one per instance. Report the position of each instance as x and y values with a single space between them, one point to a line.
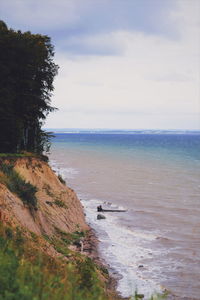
99 208
113 210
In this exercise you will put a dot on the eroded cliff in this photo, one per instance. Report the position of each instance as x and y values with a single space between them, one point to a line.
57 204
49 236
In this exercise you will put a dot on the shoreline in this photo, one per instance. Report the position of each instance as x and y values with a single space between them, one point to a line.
50 220
91 243
90 207
90 248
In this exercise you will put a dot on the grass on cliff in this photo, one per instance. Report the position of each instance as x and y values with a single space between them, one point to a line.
62 240
14 156
16 184
60 203
61 179
26 273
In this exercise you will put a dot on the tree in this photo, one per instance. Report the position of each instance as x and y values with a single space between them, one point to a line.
26 85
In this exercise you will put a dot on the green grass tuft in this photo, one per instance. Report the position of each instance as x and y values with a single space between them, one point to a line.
60 203
16 184
61 179
27 273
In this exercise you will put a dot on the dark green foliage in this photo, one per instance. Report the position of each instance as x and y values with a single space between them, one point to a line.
104 270
16 155
62 240
44 158
27 273
47 189
61 179
60 203
9 265
86 270
26 85
8 233
70 238
25 190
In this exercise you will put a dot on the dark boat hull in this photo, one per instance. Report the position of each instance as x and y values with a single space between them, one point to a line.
111 210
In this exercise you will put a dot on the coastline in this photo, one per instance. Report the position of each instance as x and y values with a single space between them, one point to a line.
39 171
44 224
90 248
99 240
143 244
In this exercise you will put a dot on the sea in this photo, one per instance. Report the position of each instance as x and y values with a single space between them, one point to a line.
155 176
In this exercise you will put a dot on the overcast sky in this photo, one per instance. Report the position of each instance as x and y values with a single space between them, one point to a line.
123 63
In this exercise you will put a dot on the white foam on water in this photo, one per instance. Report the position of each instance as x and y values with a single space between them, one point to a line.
120 246
64 172
122 249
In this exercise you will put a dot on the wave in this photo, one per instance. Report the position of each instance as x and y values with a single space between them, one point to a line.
64 172
120 246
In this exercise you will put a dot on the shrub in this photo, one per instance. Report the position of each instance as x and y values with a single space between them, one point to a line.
86 270
70 238
27 273
47 189
61 179
44 158
16 184
60 203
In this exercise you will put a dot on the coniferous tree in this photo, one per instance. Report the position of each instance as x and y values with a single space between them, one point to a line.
26 85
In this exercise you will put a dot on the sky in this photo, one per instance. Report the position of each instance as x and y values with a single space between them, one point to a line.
124 64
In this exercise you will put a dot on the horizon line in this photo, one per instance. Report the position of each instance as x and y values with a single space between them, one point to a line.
116 129
106 128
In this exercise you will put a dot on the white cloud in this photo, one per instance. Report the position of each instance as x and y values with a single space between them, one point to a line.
155 82
132 76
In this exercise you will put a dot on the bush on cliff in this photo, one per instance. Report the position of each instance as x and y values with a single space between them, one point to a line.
27 273
61 179
16 184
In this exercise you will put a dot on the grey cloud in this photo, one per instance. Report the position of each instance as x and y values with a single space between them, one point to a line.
64 19
92 45
90 15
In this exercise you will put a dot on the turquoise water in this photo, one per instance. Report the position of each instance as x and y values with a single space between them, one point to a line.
156 177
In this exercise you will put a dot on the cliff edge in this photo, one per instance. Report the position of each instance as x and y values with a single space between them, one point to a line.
57 204
43 228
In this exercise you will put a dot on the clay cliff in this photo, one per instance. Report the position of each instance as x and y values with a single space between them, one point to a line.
57 204
52 227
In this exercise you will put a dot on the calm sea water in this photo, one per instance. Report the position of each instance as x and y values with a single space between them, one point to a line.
156 177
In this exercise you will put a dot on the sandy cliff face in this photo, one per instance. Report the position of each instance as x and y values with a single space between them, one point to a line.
58 205
58 212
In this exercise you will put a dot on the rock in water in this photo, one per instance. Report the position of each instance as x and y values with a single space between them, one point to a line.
99 217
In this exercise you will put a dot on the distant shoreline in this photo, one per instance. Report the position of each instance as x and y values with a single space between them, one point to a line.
122 131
